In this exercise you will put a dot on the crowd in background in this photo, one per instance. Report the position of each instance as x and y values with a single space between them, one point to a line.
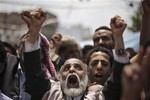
59 69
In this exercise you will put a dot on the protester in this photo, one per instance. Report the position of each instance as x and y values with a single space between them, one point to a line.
54 44
55 40
9 75
73 84
135 75
103 36
85 50
33 19
100 62
138 71
10 48
68 48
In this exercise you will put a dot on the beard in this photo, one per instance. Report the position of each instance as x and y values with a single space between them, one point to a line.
73 92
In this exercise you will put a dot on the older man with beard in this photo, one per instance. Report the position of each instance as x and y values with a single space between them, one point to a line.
73 84
74 77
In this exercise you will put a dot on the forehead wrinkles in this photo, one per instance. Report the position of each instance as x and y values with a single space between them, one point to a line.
73 61
102 33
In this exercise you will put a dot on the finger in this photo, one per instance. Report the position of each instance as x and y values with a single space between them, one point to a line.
137 72
26 13
26 19
146 62
122 24
43 16
35 14
117 17
112 22
127 70
141 54
146 65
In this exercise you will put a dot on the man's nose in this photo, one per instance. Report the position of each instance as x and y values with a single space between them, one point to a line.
101 41
99 66
71 70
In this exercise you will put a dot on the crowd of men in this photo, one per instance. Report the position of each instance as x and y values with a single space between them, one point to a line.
58 69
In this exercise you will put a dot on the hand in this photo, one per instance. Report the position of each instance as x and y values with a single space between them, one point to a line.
134 75
34 21
95 88
25 15
118 25
37 18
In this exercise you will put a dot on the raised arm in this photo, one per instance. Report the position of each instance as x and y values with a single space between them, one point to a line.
34 21
112 90
145 30
135 75
36 82
118 26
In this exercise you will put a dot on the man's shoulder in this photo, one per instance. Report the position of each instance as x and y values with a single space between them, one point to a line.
56 85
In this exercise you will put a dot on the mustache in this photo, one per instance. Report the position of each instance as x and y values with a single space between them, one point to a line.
83 83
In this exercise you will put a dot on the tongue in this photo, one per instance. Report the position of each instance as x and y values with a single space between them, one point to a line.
73 85
73 82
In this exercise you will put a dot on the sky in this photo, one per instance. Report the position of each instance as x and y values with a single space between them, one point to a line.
89 13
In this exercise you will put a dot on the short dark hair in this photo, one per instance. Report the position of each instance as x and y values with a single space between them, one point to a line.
103 27
101 49
11 47
86 48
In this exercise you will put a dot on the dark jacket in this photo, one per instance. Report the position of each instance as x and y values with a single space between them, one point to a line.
36 83
9 78
112 89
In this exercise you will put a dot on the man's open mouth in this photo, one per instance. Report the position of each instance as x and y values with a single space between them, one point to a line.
98 77
73 81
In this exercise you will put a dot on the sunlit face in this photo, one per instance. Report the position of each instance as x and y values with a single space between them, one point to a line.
74 78
103 38
55 40
100 69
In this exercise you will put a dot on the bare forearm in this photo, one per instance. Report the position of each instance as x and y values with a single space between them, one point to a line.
119 43
145 30
33 34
